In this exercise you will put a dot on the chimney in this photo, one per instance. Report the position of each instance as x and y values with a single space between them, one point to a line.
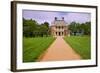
62 18
55 18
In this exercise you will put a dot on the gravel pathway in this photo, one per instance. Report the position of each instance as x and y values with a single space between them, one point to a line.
59 50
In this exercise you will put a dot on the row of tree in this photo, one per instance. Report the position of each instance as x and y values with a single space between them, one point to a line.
33 29
80 29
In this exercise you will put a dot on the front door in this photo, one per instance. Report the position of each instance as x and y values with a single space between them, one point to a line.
59 33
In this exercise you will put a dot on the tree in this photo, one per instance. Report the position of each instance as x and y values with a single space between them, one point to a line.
87 28
28 27
45 28
74 27
84 28
31 28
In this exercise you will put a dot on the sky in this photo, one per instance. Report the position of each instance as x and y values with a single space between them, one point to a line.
48 16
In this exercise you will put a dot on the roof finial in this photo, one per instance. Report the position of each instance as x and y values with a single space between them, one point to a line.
62 18
55 18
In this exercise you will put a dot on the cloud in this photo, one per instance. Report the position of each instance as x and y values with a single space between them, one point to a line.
42 16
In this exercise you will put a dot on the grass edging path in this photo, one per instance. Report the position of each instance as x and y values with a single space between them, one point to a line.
80 44
34 47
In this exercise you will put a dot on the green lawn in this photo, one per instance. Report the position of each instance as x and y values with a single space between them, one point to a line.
34 47
81 44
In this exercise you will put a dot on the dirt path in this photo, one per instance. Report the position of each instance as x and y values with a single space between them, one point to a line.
59 50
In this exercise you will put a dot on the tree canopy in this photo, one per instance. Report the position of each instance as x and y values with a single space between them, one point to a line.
31 28
84 28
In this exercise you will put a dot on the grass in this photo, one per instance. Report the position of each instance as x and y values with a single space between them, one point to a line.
81 44
34 47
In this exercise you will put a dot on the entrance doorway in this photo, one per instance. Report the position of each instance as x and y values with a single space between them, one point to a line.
59 33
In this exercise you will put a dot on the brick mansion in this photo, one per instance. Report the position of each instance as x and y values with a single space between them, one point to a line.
59 27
